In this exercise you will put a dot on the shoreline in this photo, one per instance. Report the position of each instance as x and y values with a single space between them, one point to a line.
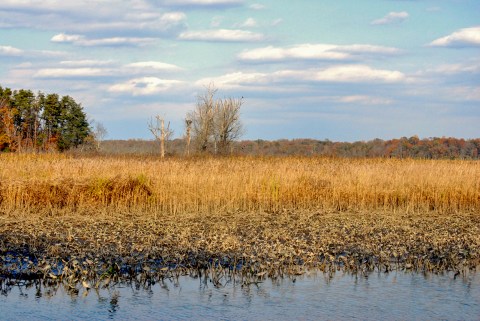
245 246
253 217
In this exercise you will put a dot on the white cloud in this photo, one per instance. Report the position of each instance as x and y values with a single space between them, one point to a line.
108 70
369 49
234 79
173 17
364 100
80 40
202 2
449 69
117 41
10 51
149 22
145 86
216 21
319 51
338 74
109 5
257 6
276 22
153 65
46 54
305 51
108 18
391 17
248 23
71 72
46 5
462 37
86 63
314 51
344 73
222 35
62 37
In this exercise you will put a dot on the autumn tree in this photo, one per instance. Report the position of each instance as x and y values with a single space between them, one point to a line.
29 122
8 133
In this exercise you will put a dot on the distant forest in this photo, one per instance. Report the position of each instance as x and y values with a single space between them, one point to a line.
413 147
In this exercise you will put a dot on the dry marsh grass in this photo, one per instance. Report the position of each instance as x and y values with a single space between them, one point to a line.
212 185
97 219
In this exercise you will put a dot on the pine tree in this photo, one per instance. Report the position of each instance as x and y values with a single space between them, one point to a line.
30 122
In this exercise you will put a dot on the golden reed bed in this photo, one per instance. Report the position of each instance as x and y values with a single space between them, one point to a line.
252 218
219 185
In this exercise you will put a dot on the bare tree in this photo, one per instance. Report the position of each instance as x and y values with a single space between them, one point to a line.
99 133
202 119
227 124
188 131
160 132
215 121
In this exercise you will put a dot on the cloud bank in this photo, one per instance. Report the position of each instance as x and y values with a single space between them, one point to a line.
467 37
222 35
315 52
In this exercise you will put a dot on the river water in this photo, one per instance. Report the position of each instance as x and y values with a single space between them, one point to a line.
392 296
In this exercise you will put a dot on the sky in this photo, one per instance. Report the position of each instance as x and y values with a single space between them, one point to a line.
344 70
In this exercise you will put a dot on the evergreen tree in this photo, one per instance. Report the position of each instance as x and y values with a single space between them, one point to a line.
51 117
29 121
25 116
74 125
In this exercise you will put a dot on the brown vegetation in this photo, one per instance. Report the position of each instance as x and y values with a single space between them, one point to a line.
234 218
245 184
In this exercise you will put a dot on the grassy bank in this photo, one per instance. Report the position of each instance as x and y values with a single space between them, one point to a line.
72 219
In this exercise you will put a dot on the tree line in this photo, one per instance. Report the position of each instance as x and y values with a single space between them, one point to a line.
214 126
34 122
426 148
413 147
44 122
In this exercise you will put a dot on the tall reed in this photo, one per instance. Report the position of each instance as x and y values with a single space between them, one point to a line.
216 185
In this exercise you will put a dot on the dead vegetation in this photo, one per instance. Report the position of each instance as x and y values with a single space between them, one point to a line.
99 220
246 184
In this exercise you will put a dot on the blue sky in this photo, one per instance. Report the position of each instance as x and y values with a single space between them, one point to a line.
342 70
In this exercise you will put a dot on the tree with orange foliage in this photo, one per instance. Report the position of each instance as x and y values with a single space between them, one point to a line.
8 133
30 122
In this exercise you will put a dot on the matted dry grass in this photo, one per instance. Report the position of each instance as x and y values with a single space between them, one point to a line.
248 217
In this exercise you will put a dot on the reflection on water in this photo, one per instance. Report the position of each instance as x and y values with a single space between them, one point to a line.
379 296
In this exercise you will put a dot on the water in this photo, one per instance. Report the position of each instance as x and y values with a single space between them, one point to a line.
393 296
